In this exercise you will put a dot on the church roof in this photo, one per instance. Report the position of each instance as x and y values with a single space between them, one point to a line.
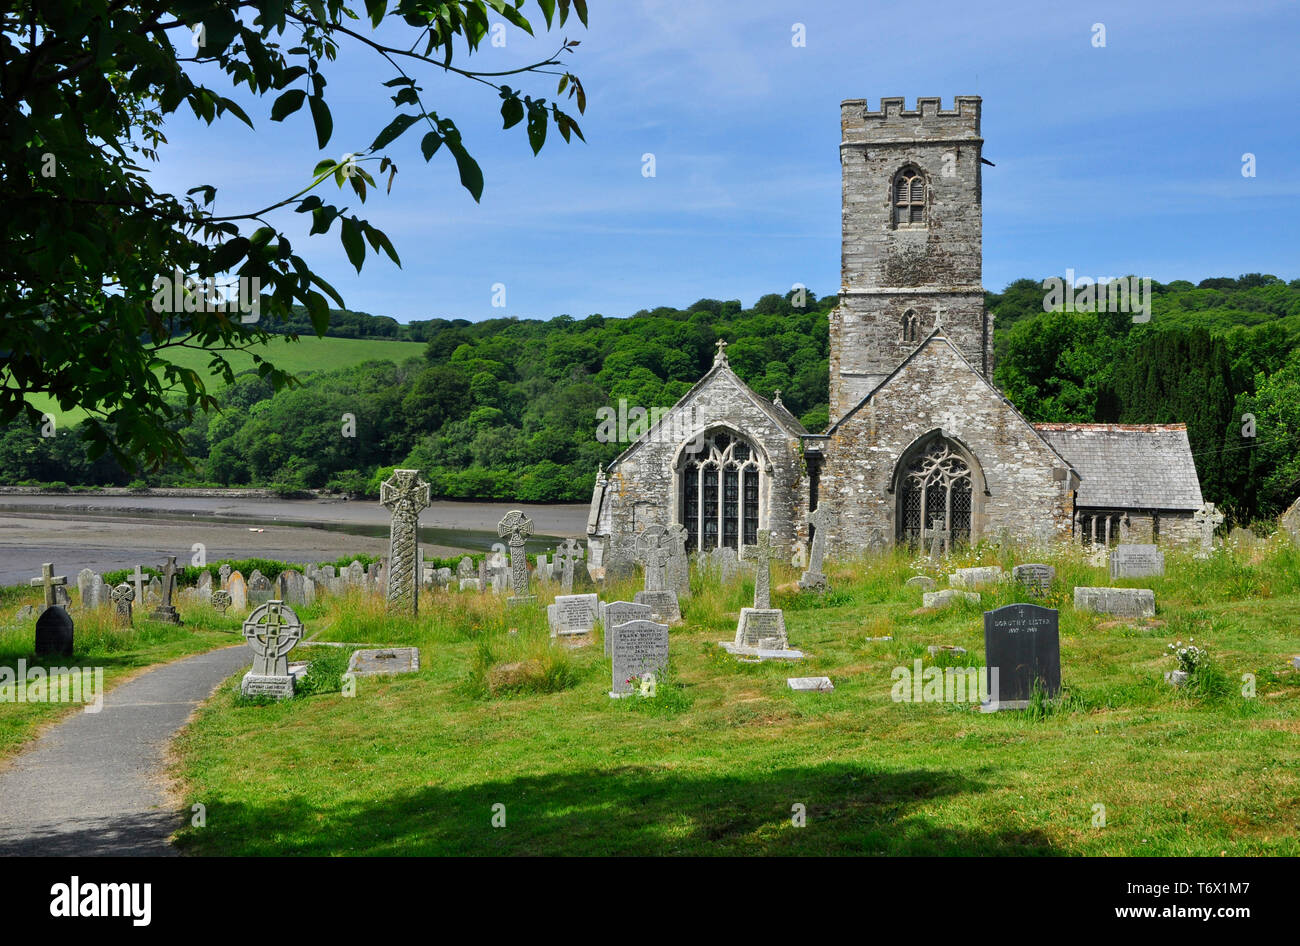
1130 466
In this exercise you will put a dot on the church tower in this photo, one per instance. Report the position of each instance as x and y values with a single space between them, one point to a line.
912 241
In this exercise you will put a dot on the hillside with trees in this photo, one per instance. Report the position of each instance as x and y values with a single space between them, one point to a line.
507 408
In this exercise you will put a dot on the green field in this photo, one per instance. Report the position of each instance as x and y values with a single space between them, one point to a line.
309 353
718 760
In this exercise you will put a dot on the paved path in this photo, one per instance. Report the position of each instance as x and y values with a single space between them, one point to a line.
93 784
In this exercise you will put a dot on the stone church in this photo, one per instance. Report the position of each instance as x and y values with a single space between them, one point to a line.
920 439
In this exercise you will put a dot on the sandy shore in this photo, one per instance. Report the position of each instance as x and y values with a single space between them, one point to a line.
109 532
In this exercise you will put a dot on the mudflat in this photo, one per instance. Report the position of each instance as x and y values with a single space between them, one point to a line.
109 532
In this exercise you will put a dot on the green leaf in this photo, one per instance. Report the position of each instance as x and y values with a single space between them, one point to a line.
378 240
320 114
536 125
376 9
430 145
287 104
471 175
228 254
395 128
512 112
353 242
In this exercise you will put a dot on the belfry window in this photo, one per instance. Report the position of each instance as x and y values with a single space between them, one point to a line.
720 489
936 493
911 327
909 197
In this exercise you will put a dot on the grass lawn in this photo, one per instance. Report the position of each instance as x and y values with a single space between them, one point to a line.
97 642
309 353
716 762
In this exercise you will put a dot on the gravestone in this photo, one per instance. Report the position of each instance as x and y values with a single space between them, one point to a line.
221 600
1022 648
224 572
653 551
137 579
271 631
679 563
122 596
483 579
572 614
639 648
465 574
259 589
154 595
204 586
1207 518
515 528
1136 561
238 590
354 575
293 587
567 557
938 539
85 596
810 684
947 598
761 627
166 610
724 562
99 592
663 605
1034 579
973 578
405 495
620 612
1122 602
385 662
1290 521
819 520
1243 539
54 632
924 582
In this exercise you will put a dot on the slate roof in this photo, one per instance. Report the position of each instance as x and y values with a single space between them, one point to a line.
1129 466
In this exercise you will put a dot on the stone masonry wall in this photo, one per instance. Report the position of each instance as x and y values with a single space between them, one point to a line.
1024 483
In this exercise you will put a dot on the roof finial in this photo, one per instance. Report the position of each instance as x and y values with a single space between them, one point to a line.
776 398
938 315
721 357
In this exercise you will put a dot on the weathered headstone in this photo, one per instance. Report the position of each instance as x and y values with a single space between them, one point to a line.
122 596
166 610
388 661
515 528
224 571
1136 561
652 550
679 563
639 648
1243 539
1035 579
1022 650
620 612
1290 521
819 520
810 684
85 578
54 631
405 495
973 578
483 579
293 587
924 582
762 627
1122 602
1208 519
572 614
155 594
567 557
204 586
465 574
938 538
947 598
271 630
221 600
354 575
260 590
238 589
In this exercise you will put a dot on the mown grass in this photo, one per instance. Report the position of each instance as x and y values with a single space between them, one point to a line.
416 764
97 642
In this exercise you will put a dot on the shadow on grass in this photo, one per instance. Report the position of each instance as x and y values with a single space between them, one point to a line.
625 811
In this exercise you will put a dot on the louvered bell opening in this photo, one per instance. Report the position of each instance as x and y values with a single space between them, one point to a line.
900 191
918 214
918 189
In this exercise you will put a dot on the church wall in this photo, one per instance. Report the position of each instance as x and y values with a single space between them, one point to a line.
1179 528
642 488
1026 483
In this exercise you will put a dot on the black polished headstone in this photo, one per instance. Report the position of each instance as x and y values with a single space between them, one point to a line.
1024 642
54 631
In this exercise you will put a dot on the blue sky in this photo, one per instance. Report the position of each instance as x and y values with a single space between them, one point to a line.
1114 160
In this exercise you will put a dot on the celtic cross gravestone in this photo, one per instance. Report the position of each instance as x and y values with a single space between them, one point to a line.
405 496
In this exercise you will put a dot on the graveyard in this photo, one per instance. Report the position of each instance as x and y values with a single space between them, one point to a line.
491 699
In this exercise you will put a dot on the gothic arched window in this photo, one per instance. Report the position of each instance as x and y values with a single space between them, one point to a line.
909 197
911 326
936 489
720 489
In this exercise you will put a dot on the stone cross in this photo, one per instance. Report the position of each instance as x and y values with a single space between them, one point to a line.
225 571
49 580
138 579
404 495
1209 519
168 570
820 520
221 600
122 597
762 553
271 631
679 565
721 357
568 554
516 527
653 551
938 538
